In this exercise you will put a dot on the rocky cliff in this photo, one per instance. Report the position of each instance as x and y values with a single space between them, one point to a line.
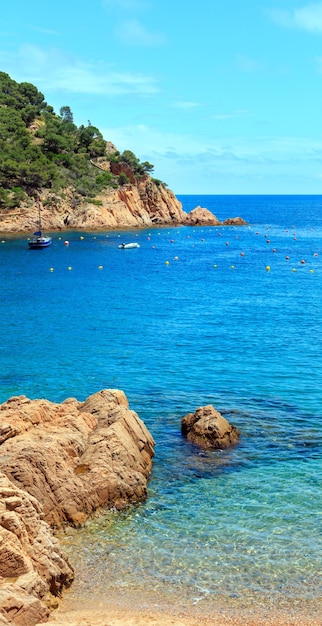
141 203
58 464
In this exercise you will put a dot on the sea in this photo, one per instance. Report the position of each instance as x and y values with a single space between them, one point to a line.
221 315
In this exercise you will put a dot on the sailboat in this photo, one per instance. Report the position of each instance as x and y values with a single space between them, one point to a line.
39 240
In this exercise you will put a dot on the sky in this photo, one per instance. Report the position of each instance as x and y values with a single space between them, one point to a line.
222 97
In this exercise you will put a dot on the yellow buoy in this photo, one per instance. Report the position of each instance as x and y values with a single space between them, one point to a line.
293 269
69 267
268 269
51 269
167 262
215 265
100 267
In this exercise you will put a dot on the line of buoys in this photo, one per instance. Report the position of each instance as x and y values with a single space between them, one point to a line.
100 267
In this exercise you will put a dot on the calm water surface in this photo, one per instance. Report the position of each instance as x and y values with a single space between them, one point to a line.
212 325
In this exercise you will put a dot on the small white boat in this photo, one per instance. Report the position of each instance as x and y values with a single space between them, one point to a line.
126 246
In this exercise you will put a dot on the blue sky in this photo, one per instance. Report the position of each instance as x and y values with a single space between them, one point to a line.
222 97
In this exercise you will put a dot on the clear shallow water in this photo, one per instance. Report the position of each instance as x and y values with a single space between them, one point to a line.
211 326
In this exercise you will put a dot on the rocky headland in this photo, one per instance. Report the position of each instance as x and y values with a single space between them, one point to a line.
140 204
59 464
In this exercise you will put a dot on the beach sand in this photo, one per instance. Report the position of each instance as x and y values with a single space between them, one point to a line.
127 611
112 617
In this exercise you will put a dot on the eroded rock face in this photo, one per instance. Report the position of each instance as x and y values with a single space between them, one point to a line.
58 464
208 429
32 565
76 457
140 204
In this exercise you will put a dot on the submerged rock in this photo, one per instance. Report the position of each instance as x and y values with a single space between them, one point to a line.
208 429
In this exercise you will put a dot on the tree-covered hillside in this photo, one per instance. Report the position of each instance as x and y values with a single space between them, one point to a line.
40 149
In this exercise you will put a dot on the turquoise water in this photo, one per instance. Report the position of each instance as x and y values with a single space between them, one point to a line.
212 325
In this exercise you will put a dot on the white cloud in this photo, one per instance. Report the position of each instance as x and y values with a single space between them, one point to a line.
307 17
189 163
148 140
50 69
132 32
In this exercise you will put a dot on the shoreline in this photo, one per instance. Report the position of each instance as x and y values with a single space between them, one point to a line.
83 606
128 613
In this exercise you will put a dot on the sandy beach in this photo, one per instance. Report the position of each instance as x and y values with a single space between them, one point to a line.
127 610
114 617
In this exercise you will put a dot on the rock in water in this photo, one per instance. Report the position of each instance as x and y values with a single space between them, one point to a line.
76 457
208 429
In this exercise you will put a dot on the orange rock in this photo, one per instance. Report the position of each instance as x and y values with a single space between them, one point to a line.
208 429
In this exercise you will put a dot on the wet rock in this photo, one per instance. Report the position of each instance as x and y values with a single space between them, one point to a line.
208 429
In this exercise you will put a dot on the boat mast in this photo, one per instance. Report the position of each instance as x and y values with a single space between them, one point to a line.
39 218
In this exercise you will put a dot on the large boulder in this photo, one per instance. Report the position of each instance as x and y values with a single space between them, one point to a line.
208 429
201 217
58 464
76 457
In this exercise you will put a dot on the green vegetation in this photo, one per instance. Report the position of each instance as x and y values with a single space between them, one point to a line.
40 149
